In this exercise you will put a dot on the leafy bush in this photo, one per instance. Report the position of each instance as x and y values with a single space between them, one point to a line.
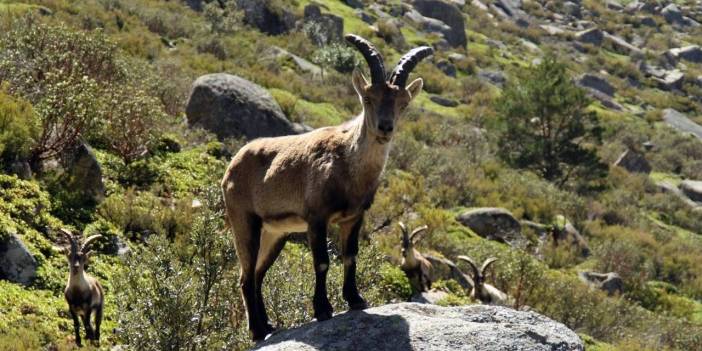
179 294
339 57
18 128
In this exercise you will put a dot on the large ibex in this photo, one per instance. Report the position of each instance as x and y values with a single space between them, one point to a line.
302 183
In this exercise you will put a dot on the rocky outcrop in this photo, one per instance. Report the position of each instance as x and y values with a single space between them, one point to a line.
633 162
412 326
600 89
596 83
680 122
593 36
328 28
264 15
231 106
17 264
301 65
447 13
691 53
692 189
493 223
495 78
84 172
611 283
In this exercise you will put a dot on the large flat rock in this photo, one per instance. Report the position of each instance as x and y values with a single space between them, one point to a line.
413 326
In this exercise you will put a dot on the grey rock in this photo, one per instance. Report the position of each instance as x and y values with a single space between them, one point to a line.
456 57
496 78
329 28
611 283
669 188
440 100
231 106
672 14
596 83
365 17
84 172
680 122
479 4
692 189
389 30
412 326
17 264
633 162
431 297
447 13
427 24
673 80
553 30
639 6
493 223
262 15
647 21
622 46
21 169
572 9
592 36
691 53
303 65
614 5
566 232
447 67
357 4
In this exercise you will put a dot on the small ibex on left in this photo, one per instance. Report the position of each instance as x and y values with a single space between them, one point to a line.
83 292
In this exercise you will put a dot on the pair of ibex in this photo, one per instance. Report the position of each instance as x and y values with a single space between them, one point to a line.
419 270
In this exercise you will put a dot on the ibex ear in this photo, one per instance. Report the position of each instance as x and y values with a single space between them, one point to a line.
359 81
415 87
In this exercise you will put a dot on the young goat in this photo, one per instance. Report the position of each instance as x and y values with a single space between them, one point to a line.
302 183
416 267
83 292
483 291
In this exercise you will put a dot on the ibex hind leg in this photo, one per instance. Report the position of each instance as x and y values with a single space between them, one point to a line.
271 246
247 235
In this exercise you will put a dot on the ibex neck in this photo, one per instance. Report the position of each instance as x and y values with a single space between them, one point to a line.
368 154
78 280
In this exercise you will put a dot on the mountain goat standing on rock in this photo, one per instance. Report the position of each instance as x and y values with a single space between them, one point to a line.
298 183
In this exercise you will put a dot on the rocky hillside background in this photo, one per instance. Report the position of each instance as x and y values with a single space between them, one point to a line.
119 117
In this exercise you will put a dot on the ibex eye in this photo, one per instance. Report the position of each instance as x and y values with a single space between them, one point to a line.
366 100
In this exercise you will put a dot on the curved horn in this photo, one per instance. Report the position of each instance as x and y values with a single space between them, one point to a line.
405 235
473 266
372 56
88 241
417 231
407 63
487 264
71 240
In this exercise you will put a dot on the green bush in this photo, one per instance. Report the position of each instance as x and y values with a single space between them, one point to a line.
19 128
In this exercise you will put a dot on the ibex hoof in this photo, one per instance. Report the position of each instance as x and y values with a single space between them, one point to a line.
323 316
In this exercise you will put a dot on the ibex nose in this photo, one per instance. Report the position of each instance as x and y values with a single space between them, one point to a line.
386 126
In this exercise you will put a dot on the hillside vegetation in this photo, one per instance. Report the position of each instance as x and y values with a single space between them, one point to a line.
509 120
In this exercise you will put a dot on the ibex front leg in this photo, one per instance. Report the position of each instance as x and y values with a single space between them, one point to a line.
317 237
349 250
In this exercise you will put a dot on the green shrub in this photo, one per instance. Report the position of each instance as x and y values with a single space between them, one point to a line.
19 128
339 57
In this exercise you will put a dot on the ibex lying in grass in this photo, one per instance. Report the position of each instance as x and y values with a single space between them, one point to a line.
83 292
416 267
301 183
483 291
